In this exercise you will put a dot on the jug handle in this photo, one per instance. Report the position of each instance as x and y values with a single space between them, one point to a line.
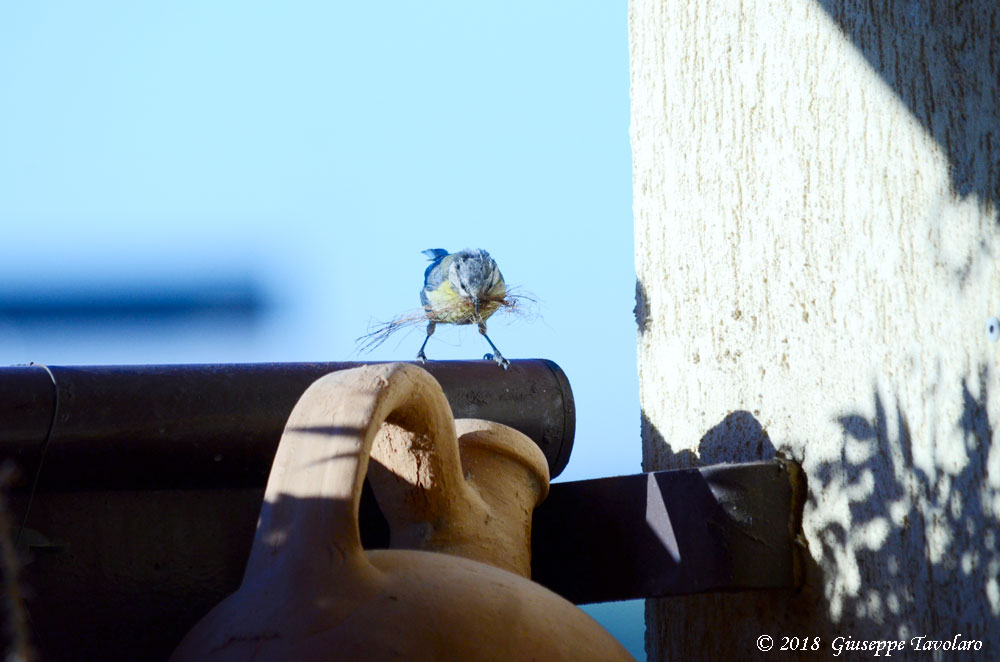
313 492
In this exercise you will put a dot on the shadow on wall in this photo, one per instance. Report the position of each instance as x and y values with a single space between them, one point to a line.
738 438
641 310
914 538
940 59
902 551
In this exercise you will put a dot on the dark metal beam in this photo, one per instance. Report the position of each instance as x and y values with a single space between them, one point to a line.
727 527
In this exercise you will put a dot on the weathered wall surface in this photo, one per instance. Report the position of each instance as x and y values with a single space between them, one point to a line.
817 223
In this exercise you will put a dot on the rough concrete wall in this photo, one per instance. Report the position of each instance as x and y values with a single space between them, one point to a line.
817 233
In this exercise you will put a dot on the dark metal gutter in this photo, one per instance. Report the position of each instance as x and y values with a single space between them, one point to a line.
178 426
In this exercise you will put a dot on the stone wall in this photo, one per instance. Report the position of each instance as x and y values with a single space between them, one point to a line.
817 226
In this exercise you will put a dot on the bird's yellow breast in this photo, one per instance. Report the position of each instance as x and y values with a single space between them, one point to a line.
446 305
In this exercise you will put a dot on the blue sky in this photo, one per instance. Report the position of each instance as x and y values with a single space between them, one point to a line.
314 149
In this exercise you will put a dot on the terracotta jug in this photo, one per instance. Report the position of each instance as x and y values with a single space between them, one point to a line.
310 592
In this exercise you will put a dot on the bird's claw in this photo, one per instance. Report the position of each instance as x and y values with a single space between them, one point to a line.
500 360
422 357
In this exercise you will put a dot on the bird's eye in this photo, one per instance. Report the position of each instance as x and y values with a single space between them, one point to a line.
993 329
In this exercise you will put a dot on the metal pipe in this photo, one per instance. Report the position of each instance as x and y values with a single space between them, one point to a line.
186 426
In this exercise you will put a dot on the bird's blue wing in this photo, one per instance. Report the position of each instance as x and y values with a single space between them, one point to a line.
435 253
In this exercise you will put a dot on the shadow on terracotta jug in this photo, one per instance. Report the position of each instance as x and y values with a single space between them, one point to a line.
455 584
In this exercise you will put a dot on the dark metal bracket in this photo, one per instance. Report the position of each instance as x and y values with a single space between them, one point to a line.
726 527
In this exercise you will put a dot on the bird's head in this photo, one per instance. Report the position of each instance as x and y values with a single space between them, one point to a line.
475 275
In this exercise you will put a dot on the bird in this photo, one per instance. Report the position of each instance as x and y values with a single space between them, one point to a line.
462 288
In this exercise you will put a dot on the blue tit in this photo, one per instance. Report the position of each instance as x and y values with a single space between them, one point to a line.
462 288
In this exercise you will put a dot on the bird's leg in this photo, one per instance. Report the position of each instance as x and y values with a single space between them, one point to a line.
495 356
430 330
